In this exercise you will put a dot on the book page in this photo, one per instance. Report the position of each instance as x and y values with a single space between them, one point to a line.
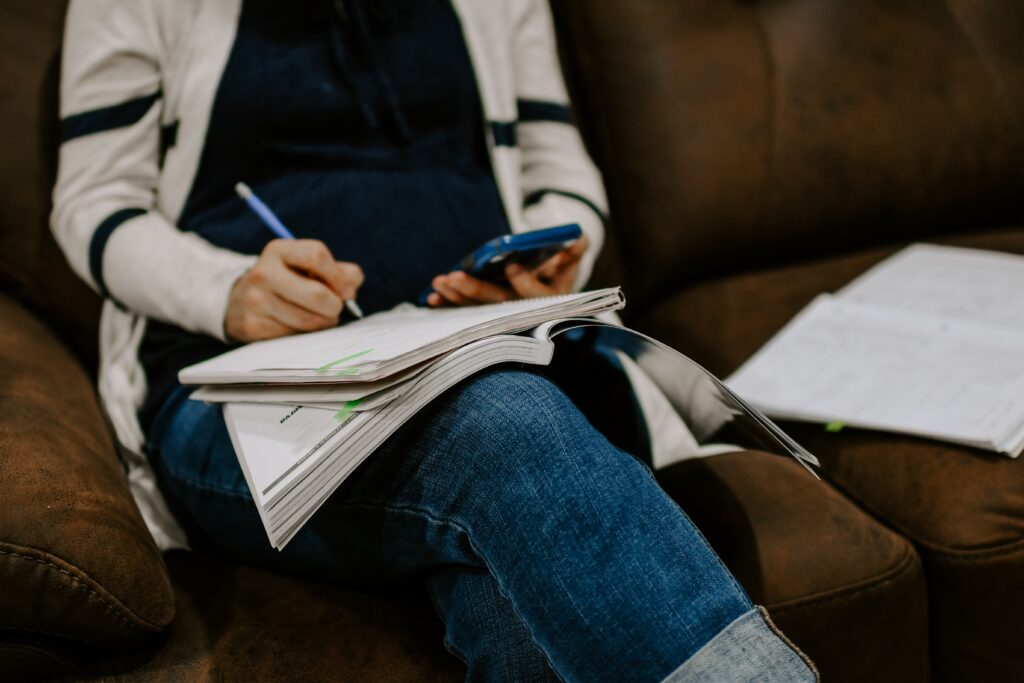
969 284
703 403
889 369
671 440
304 394
276 439
352 352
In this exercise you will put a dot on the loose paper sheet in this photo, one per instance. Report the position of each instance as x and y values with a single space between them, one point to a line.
969 284
890 369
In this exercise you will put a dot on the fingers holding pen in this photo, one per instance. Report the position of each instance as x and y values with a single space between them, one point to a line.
288 282
268 303
314 258
303 292
295 286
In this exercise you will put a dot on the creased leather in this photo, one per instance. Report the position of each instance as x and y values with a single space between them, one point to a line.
76 561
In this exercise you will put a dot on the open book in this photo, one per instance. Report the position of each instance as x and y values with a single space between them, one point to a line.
381 345
930 342
300 425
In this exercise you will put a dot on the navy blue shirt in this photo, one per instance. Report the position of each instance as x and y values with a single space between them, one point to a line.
361 126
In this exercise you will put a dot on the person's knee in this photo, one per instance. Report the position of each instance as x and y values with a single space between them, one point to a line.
518 434
503 407
515 415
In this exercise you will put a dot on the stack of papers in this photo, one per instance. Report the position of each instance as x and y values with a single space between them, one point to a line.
930 342
381 345
303 412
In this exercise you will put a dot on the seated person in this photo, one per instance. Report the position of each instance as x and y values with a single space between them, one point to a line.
384 134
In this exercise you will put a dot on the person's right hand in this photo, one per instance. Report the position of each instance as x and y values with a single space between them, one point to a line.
295 286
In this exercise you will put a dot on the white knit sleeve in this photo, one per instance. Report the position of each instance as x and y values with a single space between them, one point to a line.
104 215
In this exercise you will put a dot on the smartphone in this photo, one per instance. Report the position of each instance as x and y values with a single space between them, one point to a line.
528 249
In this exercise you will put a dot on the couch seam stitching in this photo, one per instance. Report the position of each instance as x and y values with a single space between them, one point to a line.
966 556
906 563
111 603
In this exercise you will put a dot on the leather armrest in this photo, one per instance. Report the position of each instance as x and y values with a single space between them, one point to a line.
78 567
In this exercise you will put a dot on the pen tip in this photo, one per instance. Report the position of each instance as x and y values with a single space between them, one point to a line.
353 308
243 190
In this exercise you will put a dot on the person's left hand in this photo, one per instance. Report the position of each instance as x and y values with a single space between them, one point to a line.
554 276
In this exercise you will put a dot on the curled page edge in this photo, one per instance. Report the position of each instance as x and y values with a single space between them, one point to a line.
702 400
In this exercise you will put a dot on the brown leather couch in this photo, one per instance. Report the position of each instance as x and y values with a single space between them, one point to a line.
756 153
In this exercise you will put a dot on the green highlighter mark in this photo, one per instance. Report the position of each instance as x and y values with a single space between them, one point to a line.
343 414
324 368
833 427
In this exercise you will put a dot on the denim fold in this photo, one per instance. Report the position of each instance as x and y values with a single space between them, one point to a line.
749 649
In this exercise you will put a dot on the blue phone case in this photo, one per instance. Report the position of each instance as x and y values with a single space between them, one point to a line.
529 249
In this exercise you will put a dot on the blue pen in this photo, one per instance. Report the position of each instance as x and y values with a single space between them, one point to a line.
264 213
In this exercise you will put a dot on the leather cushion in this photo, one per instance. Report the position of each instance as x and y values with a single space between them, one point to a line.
829 574
77 565
963 509
236 623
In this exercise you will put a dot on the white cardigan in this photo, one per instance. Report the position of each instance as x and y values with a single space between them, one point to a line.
134 70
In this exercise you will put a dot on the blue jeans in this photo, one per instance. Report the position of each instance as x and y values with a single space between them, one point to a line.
549 553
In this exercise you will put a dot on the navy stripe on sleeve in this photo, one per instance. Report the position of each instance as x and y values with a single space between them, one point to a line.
535 197
106 118
505 134
98 244
537 110
168 139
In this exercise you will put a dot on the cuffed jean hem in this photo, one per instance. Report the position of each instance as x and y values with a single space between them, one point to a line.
749 649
